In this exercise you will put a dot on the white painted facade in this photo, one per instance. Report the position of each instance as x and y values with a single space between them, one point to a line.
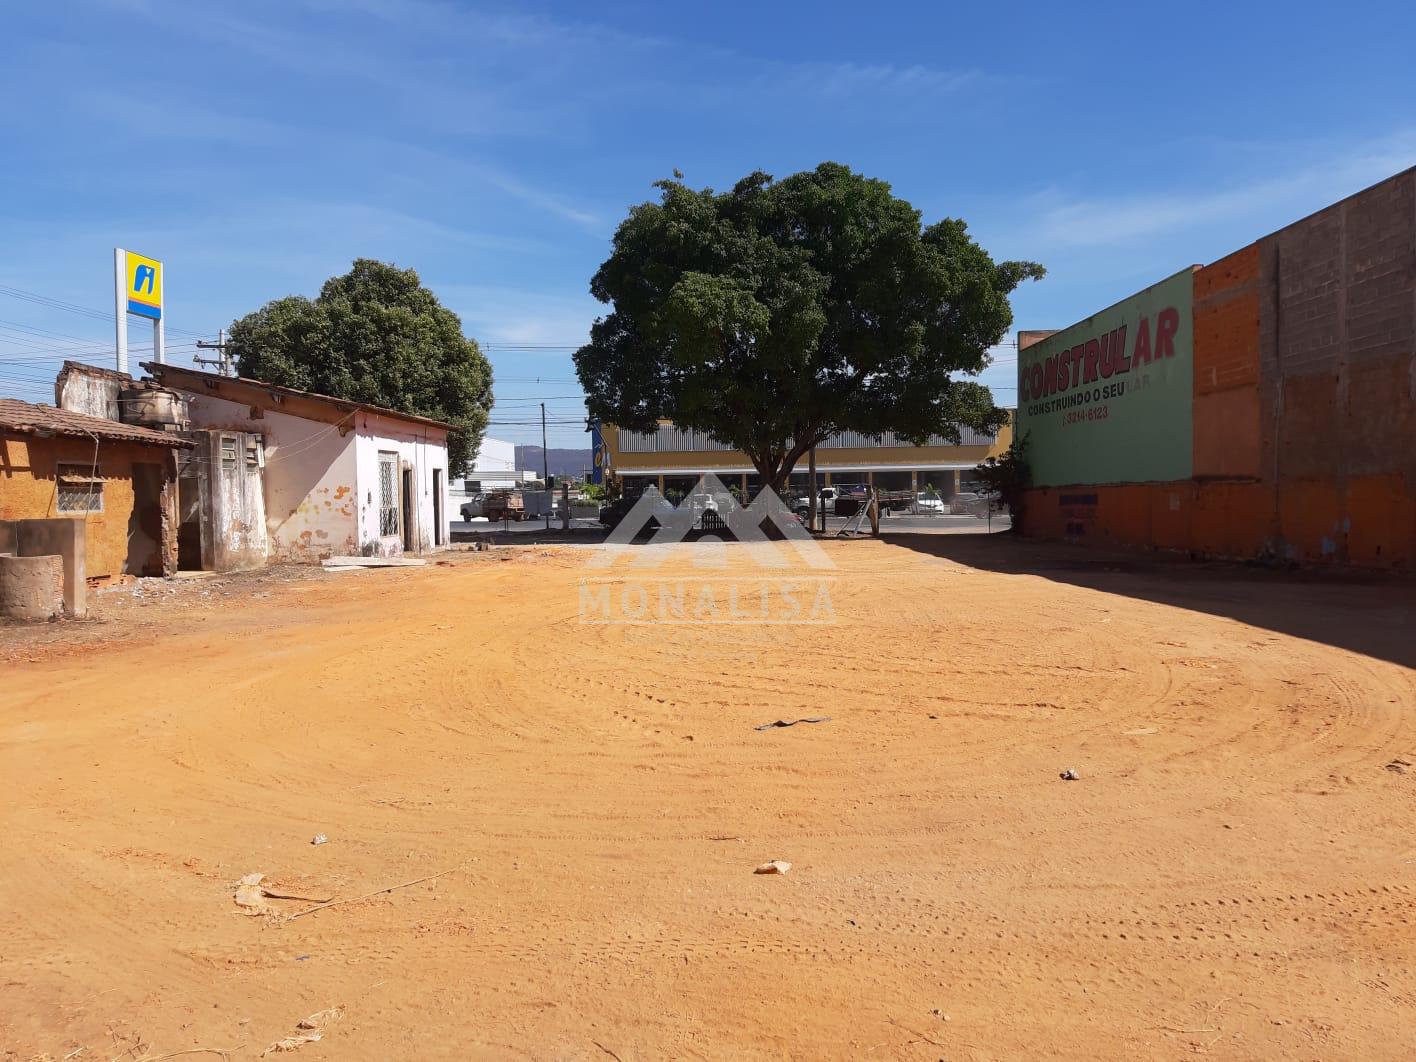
422 452
322 481
495 455
495 467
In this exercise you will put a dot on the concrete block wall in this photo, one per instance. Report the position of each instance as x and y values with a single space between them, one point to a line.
1338 364
67 539
1304 442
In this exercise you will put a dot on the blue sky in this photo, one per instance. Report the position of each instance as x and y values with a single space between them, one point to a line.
258 147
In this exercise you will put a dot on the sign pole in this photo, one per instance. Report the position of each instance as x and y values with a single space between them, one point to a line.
159 331
120 307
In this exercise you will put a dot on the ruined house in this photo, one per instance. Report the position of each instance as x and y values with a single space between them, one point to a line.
99 492
340 478
278 473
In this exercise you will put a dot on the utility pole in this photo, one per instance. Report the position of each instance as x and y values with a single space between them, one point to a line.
222 360
545 466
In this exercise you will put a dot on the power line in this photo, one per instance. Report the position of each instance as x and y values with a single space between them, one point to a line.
69 307
48 333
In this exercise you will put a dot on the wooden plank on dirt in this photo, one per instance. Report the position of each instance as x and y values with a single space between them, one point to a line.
373 562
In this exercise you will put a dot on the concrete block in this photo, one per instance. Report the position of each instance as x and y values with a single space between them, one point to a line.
66 538
31 588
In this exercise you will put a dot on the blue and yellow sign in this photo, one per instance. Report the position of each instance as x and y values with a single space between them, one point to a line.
144 286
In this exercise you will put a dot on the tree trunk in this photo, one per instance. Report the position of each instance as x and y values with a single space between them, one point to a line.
776 470
811 492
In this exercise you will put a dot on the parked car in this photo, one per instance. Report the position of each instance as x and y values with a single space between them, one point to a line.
985 502
801 503
929 504
959 503
472 507
662 511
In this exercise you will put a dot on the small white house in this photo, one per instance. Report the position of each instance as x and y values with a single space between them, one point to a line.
340 478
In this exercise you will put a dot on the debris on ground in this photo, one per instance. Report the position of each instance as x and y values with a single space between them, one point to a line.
794 722
319 838
325 904
1069 775
252 891
1398 765
776 866
307 1031
1140 730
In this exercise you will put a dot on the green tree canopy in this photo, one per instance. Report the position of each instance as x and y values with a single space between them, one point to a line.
780 312
374 335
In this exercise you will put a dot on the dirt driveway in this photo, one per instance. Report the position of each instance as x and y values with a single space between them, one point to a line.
1233 874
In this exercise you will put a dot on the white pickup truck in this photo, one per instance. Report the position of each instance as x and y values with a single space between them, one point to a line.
801 504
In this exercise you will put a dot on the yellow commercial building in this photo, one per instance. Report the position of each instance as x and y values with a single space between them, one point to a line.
674 458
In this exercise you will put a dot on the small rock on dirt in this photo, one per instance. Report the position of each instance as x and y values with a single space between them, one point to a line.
776 866
1069 775
319 838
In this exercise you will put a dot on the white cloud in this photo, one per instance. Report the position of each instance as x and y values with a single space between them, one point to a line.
1119 220
850 81
177 120
507 315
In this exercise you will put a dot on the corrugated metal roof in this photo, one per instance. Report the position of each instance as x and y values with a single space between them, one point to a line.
29 418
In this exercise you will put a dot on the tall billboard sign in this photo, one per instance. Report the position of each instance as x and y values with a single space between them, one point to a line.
137 290
597 453
1109 399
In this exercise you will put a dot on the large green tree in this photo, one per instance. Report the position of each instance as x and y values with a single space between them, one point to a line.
780 312
374 335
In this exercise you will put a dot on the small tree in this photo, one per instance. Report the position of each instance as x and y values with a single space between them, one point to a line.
1007 477
374 335
771 316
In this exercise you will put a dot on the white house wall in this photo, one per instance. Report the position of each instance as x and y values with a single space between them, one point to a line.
495 455
421 448
310 478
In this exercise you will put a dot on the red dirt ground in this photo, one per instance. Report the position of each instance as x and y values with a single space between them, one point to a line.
1233 875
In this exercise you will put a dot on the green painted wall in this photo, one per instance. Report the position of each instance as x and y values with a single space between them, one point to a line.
1109 399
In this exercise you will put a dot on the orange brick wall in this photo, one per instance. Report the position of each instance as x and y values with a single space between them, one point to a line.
28 489
1227 425
1304 442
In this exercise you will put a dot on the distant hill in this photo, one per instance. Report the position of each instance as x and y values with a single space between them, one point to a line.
562 462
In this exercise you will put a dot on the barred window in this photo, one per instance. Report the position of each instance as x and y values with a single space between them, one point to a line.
388 493
80 489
